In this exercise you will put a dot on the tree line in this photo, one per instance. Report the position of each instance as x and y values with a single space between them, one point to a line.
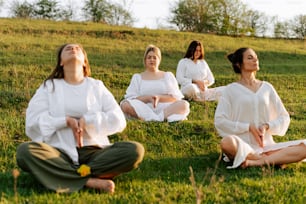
224 17
100 11
232 17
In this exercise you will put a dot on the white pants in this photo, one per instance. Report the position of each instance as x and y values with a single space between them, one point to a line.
193 92
147 112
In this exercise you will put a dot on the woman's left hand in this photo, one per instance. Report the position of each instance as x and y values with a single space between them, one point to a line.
200 84
257 133
262 130
81 130
155 100
74 124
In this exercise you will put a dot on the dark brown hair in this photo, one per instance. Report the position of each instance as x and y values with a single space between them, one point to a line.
192 48
236 59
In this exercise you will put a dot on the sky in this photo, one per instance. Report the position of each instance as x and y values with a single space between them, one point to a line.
155 13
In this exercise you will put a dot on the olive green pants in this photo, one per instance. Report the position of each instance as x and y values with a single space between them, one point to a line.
55 170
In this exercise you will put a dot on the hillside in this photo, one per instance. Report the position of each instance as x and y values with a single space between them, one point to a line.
28 54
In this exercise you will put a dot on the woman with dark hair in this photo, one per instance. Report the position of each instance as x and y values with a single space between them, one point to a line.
248 114
154 95
69 120
194 75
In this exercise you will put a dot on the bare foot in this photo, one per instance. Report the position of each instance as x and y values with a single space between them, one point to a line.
253 160
101 184
245 164
255 156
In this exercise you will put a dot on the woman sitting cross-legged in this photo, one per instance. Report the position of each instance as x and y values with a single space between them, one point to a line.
248 114
69 120
195 77
154 95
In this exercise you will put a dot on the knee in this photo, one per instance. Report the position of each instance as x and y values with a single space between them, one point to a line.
22 150
124 106
23 155
127 108
190 90
228 144
139 151
184 106
303 145
136 152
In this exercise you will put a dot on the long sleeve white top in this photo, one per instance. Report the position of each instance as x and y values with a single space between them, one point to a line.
239 106
187 70
47 111
166 85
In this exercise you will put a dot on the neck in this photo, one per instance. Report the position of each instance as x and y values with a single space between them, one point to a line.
73 76
152 70
248 78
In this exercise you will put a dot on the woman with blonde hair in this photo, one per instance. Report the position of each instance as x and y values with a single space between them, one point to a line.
154 95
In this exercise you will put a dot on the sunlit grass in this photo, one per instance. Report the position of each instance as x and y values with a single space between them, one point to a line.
27 56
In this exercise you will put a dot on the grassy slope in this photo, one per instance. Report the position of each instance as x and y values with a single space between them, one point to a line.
27 54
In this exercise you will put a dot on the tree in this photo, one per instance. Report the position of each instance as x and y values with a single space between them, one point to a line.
120 16
96 10
258 22
230 17
22 10
1 3
191 15
282 30
220 16
47 9
68 12
105 12
298 25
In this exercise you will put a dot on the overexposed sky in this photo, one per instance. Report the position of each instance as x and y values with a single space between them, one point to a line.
284 9
155 13
152 13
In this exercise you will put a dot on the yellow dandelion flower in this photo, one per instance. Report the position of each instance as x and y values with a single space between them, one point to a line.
84 170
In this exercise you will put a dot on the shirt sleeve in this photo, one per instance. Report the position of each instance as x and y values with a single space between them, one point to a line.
222 120
210 76
40 124
180 73
279 117
173 86
133 89
109 119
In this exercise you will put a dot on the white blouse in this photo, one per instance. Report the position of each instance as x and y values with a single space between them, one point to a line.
47 111
187 71
166 85
239 106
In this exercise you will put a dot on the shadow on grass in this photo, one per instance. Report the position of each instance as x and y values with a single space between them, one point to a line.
206 169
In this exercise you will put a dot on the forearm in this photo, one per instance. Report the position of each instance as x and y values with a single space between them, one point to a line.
104 123
145 99
166 98
37 128
162 98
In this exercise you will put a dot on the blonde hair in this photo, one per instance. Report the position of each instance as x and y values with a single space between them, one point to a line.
154 49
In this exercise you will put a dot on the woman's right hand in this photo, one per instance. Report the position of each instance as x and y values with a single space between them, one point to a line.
73 123
200 84
257 133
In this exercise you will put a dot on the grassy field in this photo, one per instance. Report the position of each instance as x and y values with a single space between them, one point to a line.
182 162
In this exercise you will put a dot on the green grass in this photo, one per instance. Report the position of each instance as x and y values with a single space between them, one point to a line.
28 54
